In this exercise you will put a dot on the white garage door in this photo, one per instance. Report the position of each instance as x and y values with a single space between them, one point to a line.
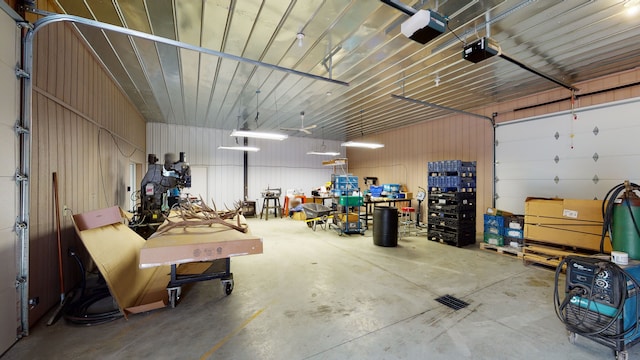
562 156
10 105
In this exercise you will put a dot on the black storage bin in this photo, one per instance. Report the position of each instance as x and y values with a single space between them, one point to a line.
385 226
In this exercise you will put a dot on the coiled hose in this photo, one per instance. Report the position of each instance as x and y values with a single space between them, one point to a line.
583 324
78 312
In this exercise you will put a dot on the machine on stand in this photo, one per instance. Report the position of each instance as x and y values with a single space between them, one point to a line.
159 192
601 300
420 196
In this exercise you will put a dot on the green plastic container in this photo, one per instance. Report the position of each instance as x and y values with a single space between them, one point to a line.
494 239
351 200
624 234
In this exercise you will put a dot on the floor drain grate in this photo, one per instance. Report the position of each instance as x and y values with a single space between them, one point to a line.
452 302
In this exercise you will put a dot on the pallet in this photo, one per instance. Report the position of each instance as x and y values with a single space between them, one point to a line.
547 255
503 250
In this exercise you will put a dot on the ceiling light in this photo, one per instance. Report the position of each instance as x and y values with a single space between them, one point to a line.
259 135
362 145
239 148
327 153
632 7
300 37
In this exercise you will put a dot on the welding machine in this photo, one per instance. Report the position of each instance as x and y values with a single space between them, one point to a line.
601 302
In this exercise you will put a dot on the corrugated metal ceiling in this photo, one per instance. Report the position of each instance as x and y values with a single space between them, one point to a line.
356 41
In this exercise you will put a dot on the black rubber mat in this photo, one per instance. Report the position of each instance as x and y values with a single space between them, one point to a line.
452 302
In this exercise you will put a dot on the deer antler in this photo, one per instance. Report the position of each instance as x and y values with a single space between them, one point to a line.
192 215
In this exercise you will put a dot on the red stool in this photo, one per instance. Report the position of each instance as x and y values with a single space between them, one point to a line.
406 219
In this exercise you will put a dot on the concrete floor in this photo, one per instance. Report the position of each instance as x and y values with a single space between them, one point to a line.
316 295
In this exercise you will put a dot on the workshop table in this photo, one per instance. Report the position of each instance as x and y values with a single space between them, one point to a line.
370 204
322 199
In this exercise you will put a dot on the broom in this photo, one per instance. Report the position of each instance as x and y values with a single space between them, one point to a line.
63 299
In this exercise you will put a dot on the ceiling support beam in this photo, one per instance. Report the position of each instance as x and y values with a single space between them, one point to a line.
428 104
539 73
121 30
400 6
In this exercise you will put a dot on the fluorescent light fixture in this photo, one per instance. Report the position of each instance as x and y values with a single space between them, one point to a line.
259 135
239 148
362 145
328 153
632 6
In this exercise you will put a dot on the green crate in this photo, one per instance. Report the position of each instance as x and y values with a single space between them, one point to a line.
494 239
351 200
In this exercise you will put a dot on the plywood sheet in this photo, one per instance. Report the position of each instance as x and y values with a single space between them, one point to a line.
193 244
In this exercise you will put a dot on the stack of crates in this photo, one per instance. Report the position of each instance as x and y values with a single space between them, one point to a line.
451 205
344 184
494 229
514 230
452 175
505 230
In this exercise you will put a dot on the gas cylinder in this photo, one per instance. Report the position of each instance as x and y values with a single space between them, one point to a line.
625 225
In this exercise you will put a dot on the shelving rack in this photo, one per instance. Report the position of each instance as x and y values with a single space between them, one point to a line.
345 206
452 202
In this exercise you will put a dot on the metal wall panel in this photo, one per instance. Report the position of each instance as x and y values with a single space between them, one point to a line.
459 137
280 164
86 131
407 150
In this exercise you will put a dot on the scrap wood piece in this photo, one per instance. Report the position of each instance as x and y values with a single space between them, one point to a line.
195 244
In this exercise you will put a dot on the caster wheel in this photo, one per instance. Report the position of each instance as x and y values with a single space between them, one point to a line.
227 285
572 337
309 224
174 296
622 355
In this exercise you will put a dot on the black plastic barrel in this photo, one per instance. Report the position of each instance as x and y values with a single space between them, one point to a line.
385 226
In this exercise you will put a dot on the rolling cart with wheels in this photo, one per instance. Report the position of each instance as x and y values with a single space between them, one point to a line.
217 269
346 220
196 254
601 302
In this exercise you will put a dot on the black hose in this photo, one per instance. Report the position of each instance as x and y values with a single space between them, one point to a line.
78 312
623 283
586 327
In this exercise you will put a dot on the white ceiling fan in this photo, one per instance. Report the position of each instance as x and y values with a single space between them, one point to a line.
304 129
